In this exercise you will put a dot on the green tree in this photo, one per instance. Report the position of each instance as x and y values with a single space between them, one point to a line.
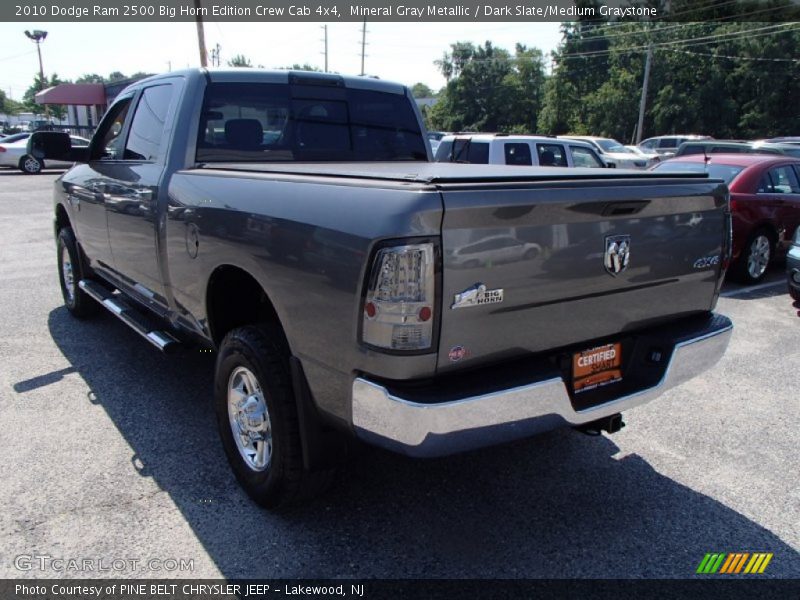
7 105
489 90
116 76
240 60
29 101
420 90
299 67
90 78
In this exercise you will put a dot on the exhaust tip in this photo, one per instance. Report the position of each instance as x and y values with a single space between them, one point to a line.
611 424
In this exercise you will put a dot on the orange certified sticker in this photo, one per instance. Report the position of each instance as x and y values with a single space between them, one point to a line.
596 367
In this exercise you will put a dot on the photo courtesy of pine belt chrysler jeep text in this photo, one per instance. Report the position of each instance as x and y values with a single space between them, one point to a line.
294 223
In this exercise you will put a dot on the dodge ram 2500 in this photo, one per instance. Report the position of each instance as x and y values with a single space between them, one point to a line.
293 223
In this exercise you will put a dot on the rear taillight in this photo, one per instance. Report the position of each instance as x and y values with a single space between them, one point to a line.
400 299
2 149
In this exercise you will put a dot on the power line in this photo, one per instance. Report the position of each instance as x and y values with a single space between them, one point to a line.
745 58
18 55
698 41
690 43
613 26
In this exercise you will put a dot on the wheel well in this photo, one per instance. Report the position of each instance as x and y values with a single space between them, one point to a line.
233 299
767 228
62 220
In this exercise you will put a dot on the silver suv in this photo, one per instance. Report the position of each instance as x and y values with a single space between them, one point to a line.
517 150
667 145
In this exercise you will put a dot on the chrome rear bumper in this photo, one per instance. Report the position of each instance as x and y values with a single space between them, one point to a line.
438 429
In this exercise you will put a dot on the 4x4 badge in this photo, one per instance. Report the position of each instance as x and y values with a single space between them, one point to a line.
618 253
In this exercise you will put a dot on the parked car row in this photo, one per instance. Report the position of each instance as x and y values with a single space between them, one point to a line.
763 178
765 206
14 154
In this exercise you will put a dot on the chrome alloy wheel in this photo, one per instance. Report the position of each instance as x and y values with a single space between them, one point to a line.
249 419
67 275
758 256
31 165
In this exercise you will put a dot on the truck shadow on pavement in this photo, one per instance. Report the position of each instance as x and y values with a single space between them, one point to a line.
560 505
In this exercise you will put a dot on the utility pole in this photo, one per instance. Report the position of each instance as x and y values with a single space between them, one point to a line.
215 55
325 40
201 36
643 102
363 45
38 37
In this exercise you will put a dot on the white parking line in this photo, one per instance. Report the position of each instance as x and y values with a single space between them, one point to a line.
755 288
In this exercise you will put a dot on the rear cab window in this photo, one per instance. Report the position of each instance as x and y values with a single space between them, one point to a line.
467 151
268 122
443 152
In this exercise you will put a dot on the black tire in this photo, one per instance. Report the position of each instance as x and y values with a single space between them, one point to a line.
30 165
531 254
282 481
794 293
751 266
71 270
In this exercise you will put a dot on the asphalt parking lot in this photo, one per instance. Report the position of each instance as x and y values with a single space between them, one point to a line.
110 453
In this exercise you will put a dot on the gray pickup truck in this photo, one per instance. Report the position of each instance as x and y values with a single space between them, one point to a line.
293 222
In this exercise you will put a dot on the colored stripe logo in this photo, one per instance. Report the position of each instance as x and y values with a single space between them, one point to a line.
734 563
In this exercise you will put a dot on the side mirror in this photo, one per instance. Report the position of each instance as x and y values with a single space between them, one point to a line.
55 145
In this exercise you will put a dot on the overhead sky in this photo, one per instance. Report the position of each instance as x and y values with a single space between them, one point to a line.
401 52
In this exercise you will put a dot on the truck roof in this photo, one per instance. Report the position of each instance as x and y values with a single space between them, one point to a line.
252 75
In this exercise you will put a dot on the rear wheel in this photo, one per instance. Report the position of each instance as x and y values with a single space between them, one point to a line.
70 269
257 418
31 165
755 258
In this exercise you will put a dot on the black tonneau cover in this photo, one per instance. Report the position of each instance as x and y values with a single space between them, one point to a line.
446 173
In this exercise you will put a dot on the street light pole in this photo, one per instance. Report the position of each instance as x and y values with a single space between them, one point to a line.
38 36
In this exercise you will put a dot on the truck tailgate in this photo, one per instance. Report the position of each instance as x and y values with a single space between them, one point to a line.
529 267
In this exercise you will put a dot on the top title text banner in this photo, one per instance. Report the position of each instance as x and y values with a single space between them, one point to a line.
371 10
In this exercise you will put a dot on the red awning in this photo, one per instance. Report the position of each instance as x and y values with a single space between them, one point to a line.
77 94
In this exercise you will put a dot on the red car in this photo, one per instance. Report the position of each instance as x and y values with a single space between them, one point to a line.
765 202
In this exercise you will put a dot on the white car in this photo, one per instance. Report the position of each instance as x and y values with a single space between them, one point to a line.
667 145
516 150
652 157
14 154
493 249
611 151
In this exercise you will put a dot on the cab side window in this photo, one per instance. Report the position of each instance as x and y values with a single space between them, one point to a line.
146 140
518 154
107 142
584 157
784 180
551 155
